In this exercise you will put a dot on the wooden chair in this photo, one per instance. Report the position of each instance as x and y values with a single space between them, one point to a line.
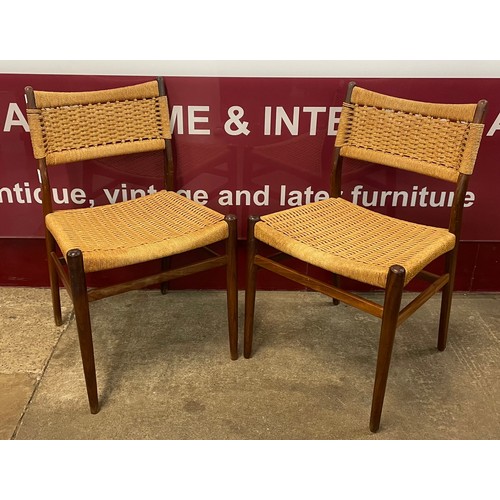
67 127
437 140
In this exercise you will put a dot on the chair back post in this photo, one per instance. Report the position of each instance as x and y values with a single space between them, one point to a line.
463 181
457 207
336 173
46 190
169 167
42 164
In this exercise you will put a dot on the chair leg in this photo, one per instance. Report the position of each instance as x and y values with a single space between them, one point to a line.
336 283
54 279
446 297
232 285
392 303
82 316
165 266
250 287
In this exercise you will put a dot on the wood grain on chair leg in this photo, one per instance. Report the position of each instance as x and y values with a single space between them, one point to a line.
250 287
447 295
392 303
232 284
336 283
54 279
82 316
165 266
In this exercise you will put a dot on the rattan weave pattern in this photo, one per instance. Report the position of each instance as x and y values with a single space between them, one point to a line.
88 128
99 124
454 112
352 241
406 136
75 126
139 230
50 99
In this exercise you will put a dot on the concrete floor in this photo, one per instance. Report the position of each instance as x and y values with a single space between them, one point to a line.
164 370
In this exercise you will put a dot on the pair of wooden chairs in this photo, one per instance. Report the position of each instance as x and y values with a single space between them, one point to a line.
438 140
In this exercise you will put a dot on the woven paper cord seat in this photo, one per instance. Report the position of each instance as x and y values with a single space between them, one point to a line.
438 140
139 230
352 241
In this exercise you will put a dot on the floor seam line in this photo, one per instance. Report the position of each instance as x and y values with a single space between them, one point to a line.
40 377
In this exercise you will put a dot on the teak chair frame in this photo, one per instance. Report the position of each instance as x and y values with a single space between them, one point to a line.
69 270
390 313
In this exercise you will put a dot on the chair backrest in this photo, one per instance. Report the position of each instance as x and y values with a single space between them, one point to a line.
73 126
438 140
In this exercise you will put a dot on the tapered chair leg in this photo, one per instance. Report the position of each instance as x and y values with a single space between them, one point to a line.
336 283
54 279
232 284
446 297
250 287
82 316
392 303
165 266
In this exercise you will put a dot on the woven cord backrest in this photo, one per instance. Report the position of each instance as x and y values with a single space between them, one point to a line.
439 140
73 126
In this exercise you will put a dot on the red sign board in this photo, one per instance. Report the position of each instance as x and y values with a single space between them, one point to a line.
248 146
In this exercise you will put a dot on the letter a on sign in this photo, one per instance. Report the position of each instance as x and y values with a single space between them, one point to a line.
15 118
